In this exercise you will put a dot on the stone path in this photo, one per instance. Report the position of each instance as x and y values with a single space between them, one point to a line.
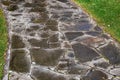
56 40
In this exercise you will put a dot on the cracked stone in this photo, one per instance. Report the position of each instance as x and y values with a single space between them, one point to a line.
19 61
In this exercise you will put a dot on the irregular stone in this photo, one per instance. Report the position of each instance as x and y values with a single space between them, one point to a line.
93 33
74 70
71 54
17 42
102 65
28 5
16 14
115 71
63 66
105 36
38 9
44 35
39 43
97 28
19 61
52 27
54 45
84 53
44 15
12 7
111 52
85 27
67 14
40 20
52 22
41 1
55 16
17 76
7 3
91 41
54 38
79 27
73 35
96 75
65 19
41 74
32 28
64 1
46 57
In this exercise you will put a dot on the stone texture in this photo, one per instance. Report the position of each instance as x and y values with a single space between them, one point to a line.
57 40
41 74
46 57
12 7
17 42
96 75
39 43
19 61
84 53
111 53
73 35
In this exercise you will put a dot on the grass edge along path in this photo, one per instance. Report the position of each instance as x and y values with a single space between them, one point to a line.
3 41
103 15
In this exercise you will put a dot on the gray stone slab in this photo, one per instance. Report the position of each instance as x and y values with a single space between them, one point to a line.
17 42
41 74
46 57
19 61
73 35
96 75
84 53
111 52
39 43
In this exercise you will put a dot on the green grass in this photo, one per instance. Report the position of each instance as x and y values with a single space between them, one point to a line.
106 13
3 41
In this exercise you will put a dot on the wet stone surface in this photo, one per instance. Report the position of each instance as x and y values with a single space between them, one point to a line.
57 40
